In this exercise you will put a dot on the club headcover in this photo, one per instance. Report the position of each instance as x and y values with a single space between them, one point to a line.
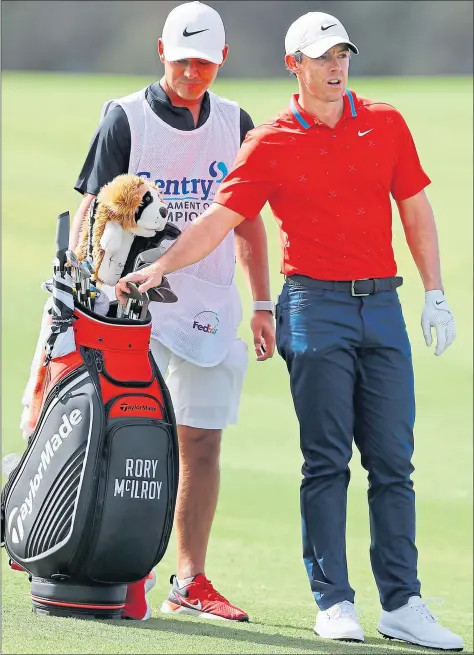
162 293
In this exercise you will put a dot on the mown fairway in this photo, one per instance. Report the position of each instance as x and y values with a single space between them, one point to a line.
254 558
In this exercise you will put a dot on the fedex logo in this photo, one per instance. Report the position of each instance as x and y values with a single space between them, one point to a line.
206 322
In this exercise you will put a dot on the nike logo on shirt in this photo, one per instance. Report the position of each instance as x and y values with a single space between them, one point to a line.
364 133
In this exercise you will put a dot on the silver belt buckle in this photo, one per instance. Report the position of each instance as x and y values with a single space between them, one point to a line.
358 295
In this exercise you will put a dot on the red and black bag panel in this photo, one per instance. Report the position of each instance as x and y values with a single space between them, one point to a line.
120 353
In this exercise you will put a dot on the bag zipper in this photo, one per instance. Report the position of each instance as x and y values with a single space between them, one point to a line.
100 367
172 473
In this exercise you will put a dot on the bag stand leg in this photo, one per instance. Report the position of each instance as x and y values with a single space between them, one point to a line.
75 600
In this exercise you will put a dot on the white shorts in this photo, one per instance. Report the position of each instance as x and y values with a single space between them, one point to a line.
206 397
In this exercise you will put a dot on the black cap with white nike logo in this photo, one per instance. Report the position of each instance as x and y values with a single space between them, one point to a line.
315 33
193 30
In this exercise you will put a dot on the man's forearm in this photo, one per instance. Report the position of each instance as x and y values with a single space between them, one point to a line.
252 255
422 239
200 238
78 220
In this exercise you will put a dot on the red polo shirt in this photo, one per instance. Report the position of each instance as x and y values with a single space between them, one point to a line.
329 188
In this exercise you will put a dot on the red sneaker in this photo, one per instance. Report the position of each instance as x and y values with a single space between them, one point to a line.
199 598
137 606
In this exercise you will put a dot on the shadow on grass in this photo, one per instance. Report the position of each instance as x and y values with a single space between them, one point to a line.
237 632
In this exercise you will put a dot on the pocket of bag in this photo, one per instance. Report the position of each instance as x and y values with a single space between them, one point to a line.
135 502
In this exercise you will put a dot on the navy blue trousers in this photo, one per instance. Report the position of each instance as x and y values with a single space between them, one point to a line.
351 378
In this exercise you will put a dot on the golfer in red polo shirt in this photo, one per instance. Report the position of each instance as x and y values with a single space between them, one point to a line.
327 166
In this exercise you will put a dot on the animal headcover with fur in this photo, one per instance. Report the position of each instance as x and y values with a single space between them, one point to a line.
128 206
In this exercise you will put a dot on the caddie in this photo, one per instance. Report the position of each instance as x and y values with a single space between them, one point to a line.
183 137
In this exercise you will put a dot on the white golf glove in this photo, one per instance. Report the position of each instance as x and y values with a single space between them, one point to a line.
437 314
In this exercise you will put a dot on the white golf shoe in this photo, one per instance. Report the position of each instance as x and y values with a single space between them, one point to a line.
415 624
339 622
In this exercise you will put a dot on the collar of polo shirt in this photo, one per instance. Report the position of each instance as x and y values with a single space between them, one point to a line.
307 120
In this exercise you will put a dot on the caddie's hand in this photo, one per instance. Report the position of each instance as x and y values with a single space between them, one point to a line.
263 328
147 277
437 314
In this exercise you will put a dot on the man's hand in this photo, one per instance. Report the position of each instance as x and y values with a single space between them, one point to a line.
437 314
263 328
147 277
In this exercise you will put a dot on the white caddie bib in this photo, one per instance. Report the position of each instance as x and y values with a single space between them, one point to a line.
188 166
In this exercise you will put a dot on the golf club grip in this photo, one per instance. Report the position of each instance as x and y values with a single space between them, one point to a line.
62 237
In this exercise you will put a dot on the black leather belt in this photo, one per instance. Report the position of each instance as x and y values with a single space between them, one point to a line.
365 287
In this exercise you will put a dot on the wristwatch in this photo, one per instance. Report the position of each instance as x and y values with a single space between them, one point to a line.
264 305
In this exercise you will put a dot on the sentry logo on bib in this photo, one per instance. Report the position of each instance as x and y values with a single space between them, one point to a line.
188 197
206 322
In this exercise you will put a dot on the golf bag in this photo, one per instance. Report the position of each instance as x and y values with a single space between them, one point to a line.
90 506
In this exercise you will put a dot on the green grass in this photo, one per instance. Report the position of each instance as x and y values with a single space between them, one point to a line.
254 555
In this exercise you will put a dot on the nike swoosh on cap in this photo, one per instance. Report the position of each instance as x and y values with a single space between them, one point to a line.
326 27
186 33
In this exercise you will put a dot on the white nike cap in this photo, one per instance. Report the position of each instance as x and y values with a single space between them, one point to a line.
193 31
315 33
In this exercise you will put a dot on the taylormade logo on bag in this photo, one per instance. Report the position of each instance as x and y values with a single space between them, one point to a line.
125 407
51 446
